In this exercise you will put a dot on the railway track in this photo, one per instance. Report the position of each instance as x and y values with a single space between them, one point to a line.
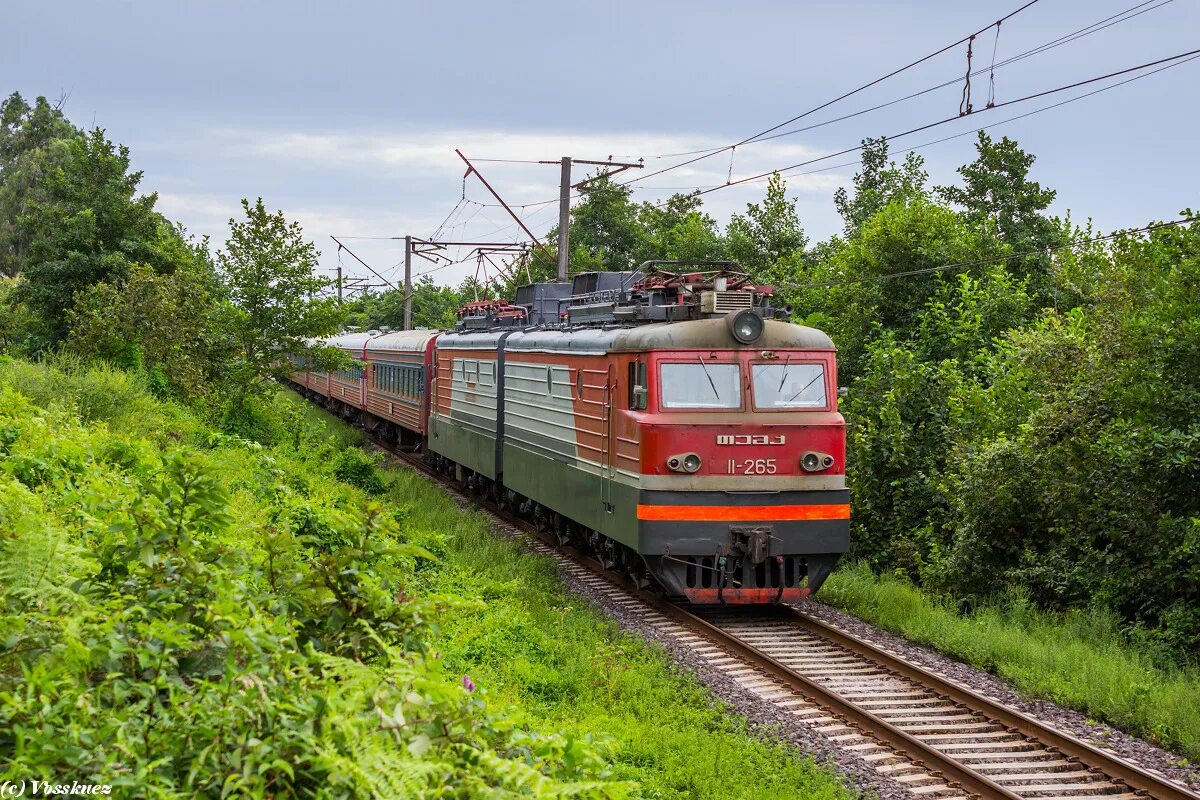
938 738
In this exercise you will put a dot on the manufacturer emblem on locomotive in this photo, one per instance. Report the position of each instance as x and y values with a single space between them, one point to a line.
762 438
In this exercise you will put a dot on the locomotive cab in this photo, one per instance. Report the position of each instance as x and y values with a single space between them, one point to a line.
742 497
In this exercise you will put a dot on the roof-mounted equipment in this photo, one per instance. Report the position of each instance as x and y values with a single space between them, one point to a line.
653 293
482 315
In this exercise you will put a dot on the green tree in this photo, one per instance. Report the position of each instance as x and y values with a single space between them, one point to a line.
611 233
473 288
1077 479
169 327
768 233
433 306
880 183
864 301
15 319
90 226
26 133
269 272
678 229
606 235
997 192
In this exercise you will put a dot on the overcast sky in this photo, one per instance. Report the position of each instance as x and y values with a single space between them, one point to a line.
346 115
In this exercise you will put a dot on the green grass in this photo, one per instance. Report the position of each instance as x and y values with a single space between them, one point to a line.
96 392
312 414
1082 659
526 643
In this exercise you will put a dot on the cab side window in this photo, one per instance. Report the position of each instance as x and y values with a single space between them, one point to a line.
638 394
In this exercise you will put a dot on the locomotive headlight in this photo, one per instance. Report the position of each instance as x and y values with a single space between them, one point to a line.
684 462
815 462
746 326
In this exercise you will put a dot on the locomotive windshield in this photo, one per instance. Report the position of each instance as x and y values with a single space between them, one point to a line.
789 386
700 385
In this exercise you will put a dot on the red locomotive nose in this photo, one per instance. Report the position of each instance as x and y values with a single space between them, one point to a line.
697 448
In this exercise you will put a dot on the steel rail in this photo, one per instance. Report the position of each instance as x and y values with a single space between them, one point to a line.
933 760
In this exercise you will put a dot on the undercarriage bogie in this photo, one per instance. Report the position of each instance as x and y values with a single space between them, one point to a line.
736 579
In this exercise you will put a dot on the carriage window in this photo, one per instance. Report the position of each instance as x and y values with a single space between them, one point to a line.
789 386
560 382
579 383
701 385
485 373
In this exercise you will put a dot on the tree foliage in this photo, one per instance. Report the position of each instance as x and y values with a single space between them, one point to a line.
269 272
167 326
769 233
1080 484
880 183
89 226
27 134
1021 414
433 306
997 193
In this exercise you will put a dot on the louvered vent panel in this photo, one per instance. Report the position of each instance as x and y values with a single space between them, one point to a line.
725 302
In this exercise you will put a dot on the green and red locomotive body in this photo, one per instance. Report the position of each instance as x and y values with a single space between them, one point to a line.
673 428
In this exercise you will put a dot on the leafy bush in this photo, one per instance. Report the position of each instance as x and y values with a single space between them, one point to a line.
358 469
994 445
1085 491
182 622
96 391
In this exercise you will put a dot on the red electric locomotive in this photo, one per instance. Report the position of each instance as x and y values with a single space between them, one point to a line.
666 422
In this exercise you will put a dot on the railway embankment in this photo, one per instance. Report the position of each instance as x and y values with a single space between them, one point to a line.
193 604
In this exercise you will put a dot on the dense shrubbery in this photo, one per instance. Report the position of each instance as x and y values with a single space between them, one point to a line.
184 611
993 445
1027 418
1078 476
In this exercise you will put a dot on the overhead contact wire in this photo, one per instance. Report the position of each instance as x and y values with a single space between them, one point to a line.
937 123
837 99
